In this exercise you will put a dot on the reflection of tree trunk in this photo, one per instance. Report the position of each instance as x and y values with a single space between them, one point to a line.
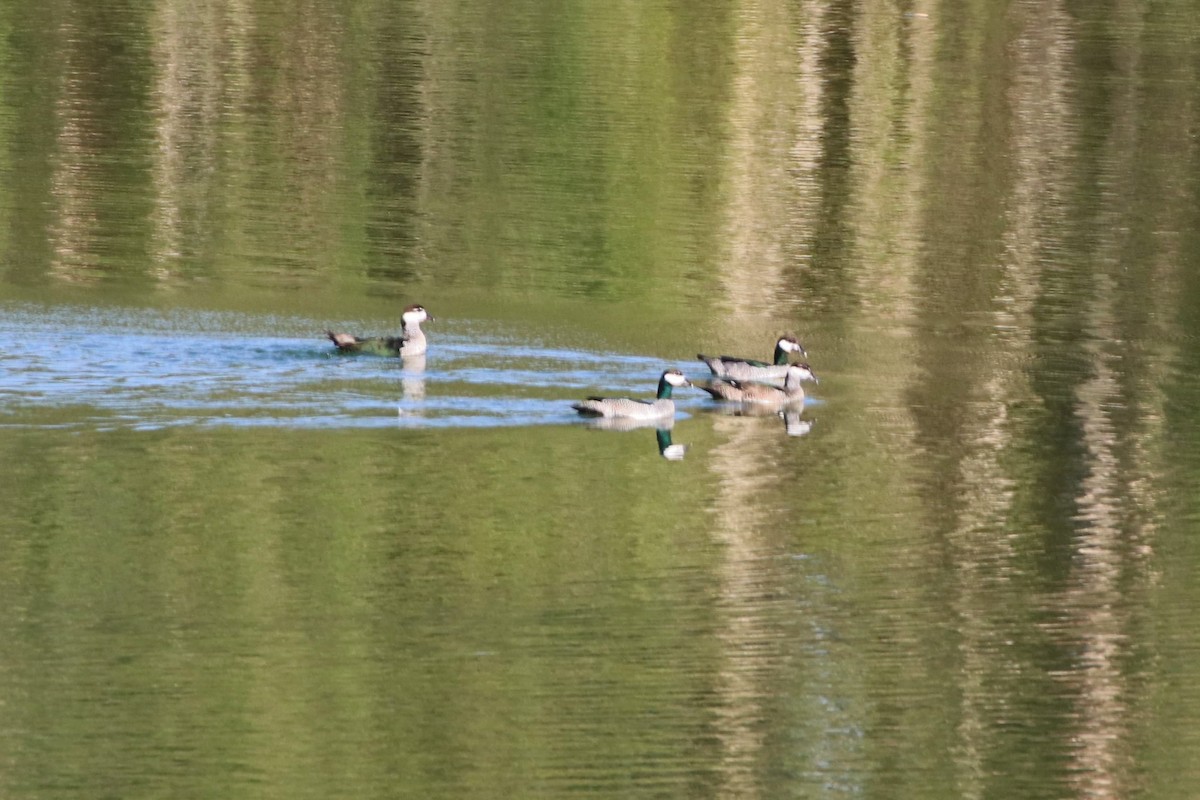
1040 146
197 54
744 635
774 119
207 157
171 92
1093 612
75 224
780 122
1114 531
982 433
1091 615
769 143
892 85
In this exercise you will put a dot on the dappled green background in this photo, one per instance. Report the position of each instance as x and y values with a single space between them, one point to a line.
974 578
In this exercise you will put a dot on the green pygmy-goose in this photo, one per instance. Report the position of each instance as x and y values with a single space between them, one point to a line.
628 408
746 369
792 392
410 343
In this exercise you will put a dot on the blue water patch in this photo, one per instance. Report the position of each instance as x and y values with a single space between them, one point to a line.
100 369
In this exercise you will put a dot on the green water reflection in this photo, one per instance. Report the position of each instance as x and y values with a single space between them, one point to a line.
972 578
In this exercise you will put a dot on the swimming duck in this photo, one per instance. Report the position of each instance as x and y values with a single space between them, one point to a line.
746 369
628 408
792 392
410 343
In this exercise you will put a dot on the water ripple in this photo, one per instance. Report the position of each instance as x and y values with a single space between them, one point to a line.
91 368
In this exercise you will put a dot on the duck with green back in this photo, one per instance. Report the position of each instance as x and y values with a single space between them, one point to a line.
411 342
747 369
662 406
792 393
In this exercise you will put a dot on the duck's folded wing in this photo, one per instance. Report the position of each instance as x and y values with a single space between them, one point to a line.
747 361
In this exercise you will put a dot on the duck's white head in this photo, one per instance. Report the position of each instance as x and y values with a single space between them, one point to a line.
675 378
800 372
790 344
415 315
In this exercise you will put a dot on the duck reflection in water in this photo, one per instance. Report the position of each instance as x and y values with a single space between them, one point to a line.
412 387
794 421
412 380
662 432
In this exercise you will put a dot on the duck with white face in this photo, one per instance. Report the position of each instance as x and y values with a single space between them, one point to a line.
792 393
411 342
624 407
747 369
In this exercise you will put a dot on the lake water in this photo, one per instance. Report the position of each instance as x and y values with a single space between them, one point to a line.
236 564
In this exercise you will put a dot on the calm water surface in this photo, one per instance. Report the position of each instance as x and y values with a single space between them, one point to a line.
236 564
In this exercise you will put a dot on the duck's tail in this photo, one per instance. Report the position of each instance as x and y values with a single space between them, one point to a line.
344 341
588 408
